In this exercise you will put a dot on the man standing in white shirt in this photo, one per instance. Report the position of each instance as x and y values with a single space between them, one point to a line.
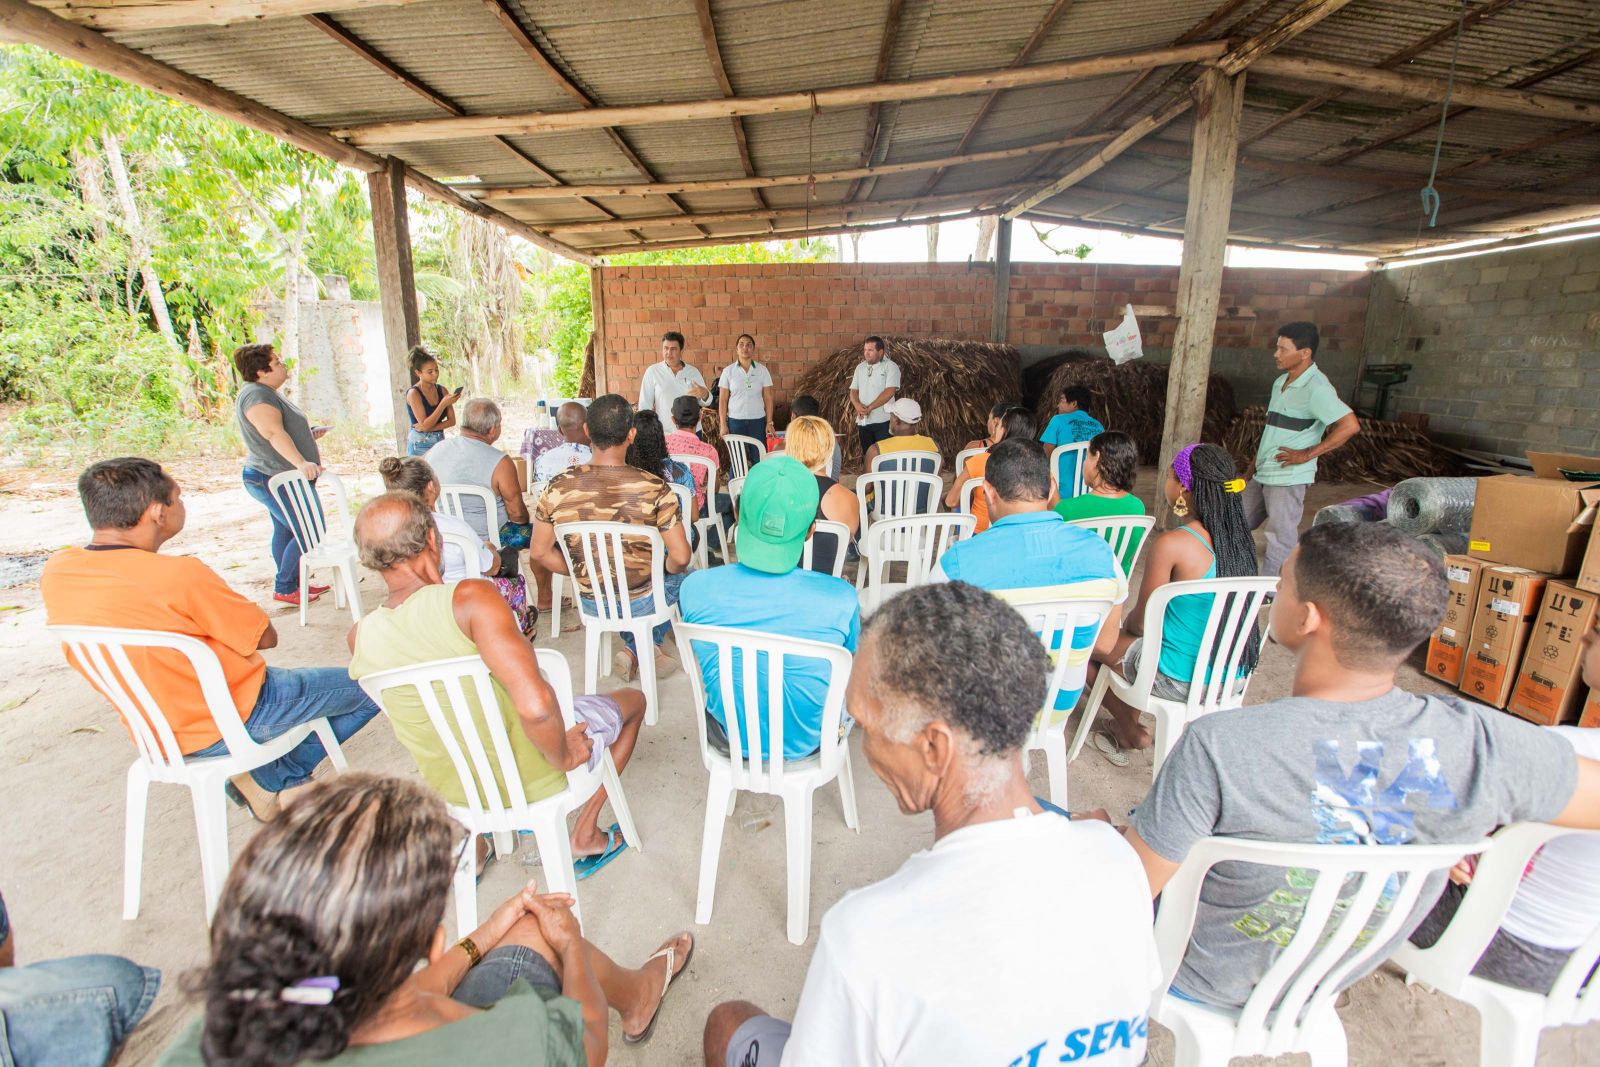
912 970
666 381
871 387
744 402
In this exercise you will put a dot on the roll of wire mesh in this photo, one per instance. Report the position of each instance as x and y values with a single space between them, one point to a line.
1433 505
1341 513
1446 544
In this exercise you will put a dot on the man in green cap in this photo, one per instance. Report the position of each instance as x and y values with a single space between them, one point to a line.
767 591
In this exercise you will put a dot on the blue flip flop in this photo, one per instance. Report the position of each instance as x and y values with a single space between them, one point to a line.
616 844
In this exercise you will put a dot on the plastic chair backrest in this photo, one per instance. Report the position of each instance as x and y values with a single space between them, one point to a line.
965 454
828 528
701 644
1065 480
740 449
1236 603
710 466
1318 961
1120 532
102 654
301 501
1055 620
918 461
915 540
599 550
468 547
477 744
1495 883
685 503
972 488
454 500
897 494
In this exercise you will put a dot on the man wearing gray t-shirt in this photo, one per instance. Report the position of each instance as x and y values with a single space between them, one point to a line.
1348 759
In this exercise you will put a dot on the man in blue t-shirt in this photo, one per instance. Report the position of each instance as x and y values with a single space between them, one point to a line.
1031 553
765 591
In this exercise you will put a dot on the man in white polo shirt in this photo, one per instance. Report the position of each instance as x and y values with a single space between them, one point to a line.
666 381
1305 419
873 385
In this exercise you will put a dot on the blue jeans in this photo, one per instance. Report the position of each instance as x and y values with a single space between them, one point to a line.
285 548
71 1012
290 697
419 441
644 604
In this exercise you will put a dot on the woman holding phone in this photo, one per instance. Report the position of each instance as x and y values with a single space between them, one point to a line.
431 410
277 437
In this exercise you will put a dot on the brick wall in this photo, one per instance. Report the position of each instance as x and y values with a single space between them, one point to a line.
799 313
1505 348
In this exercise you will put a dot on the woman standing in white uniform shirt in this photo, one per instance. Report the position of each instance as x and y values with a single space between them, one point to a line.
744 404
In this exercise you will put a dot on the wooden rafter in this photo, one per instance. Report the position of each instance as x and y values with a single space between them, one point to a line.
120 16
792 234
880 72
446 129
1058 217
719 70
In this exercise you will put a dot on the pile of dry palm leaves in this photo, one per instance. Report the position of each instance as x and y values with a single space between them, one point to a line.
1385 452
956 382
1132 397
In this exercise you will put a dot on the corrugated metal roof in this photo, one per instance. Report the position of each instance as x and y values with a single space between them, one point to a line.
640 52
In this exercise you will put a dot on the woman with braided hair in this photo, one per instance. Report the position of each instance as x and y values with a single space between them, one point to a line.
1212 541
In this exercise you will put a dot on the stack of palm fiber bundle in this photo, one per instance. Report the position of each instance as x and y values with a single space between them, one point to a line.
1132 397
956 382
1384 451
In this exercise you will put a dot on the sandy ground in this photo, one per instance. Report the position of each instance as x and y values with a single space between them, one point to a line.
63 756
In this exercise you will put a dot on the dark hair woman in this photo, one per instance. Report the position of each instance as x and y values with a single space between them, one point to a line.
1205 491
649 453
429 406
1109 470
1014 421
326 914
277 438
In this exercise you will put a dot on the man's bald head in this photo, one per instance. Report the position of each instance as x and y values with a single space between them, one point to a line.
571 420
393 529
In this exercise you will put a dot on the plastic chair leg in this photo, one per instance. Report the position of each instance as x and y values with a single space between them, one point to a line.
847 787
797 830
1506 1038
556 593
133 840
1091 711
645 649
555 849
305 589
330 744
1190 1051
1169 727
591 659
719 805
1055 757
352 591
1328 1046
466 889
211 825
619 803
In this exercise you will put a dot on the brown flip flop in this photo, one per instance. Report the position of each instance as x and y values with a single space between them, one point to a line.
670 953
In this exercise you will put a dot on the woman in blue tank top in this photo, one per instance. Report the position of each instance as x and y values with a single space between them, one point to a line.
1205 491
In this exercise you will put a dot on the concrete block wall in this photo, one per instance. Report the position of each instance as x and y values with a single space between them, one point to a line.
802 312
1505 348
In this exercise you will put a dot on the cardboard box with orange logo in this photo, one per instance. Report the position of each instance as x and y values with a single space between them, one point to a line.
1549 687
1447 648
1508 600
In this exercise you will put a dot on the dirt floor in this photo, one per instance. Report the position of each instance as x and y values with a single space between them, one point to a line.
63 756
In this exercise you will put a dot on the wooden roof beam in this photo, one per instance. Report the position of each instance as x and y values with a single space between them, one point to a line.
122 16
880 72
786 234
447 129
719 70
1059 218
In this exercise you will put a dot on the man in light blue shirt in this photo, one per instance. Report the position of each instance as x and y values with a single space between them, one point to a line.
1031 553
766 591
1072 424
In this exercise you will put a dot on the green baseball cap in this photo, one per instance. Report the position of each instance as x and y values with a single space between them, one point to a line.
776 510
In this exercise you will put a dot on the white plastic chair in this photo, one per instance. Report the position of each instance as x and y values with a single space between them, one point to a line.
917 541
685 505
740 448
471 549
965 454
102 652
895 494
1079 452
324 542
710 520
919 462
477 744
839 532
599 547
1222 646
1055 621
452 501
1291 1008
972 488
1509 1019
1117 531
793 780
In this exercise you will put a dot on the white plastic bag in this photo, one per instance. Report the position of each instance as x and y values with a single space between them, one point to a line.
1122 341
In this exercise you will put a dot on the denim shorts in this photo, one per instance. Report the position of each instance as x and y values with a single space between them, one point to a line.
71 1012
489 981
1165 687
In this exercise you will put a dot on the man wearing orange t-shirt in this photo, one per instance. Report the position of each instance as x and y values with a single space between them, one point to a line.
120 579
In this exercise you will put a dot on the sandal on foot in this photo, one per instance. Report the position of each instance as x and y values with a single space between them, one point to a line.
674 968
616 844
1107 746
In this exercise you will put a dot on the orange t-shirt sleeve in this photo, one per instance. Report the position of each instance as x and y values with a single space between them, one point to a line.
222 614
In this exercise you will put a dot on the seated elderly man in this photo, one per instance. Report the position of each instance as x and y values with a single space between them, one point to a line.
425 618
122 579
944 961
472 459
571 420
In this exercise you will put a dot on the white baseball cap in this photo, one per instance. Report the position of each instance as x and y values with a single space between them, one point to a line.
904 409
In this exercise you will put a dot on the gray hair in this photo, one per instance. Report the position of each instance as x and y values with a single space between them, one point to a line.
393 529
480 415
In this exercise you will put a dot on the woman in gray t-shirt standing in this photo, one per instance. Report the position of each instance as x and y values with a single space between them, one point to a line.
277 438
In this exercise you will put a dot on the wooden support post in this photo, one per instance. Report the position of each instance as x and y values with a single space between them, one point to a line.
1205 245
397 287
1002 281
597 304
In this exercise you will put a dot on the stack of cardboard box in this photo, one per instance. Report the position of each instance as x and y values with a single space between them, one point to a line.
1522 597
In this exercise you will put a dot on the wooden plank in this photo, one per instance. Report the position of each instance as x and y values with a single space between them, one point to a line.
880 71
397 284
383 63
597 304
719 70
795 233
1002 282
445 129
445 194
1421 87
1296 21
1205 245
110 16
1427 254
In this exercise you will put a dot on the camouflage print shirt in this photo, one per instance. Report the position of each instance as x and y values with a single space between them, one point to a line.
593 493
